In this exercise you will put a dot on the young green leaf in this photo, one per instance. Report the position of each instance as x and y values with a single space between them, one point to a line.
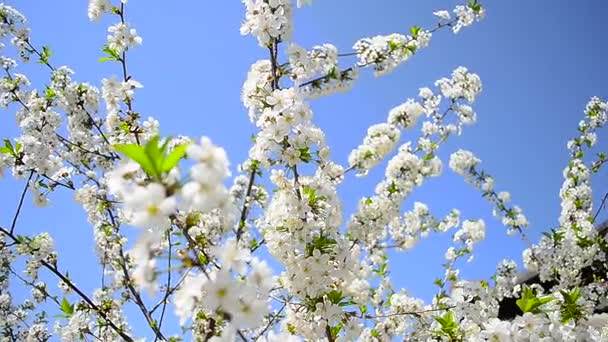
174 157
448 326
138 154
415 30
45 55
112 55
529 302
66 307
155 153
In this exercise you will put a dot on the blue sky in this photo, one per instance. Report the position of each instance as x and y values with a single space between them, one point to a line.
539 62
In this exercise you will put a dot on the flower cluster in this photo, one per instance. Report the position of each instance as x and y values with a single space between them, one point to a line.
385 53
244 299
121 37
267 20
195 251
98 8
305 64
464 163
575 244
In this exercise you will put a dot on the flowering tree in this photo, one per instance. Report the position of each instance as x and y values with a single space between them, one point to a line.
202 245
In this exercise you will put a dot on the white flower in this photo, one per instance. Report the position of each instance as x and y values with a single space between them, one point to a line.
443 14
150 207
462 161
212 164
496 330
97 8
504 196
143 255
473 230
406 114
221 292
231 255
187 295
122 37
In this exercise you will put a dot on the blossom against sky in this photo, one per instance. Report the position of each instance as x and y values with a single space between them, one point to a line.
539 63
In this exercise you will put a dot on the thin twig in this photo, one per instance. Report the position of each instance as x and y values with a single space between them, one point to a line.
16 216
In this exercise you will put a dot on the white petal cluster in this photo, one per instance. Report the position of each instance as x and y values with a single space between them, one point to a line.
466 16
334 282
333 82
287 133
385 53
462 85
462 161
206 190
98 8
406 114
38 248
150 206
472 232
244 298
407 230
77 325
304 64
121 37
404 172
380 140
267 20
14 25
116 92
574 245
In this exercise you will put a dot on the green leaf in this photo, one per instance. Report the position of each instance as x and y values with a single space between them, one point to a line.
415 30
569 309
138 154
382 270
106 59
392 188
322 243
9 149
448 325
253 244
46 51
335 296
335 330
155 153
174 157
7 143
45 55
529 302
112 55
305 155
392 45
310 192
66 307
49 93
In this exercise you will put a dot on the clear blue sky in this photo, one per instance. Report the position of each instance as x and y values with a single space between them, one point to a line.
539 61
